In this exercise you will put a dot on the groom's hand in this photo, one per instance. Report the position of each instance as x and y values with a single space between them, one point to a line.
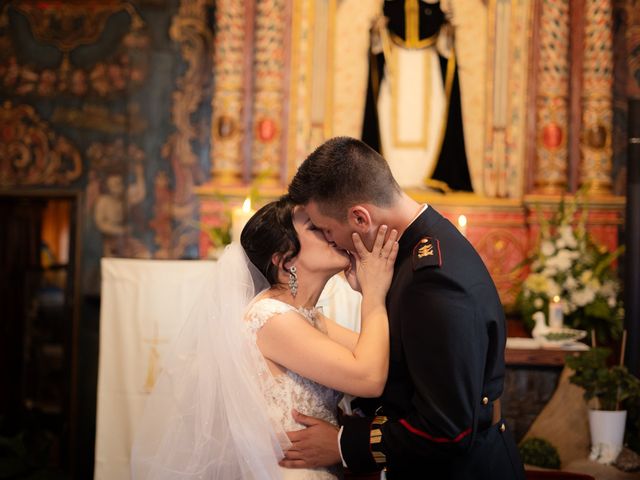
314 446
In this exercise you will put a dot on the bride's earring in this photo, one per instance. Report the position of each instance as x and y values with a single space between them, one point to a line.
293 281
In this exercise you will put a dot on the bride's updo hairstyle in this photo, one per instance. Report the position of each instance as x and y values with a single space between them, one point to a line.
343 172
270 231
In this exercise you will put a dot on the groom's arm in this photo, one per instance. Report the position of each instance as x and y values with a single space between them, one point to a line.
314 446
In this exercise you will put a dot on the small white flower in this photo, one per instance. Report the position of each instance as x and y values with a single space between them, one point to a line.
583 297
566 233
570 283
538 303
560 243
547 248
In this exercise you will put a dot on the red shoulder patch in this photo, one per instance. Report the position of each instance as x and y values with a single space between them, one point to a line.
426 253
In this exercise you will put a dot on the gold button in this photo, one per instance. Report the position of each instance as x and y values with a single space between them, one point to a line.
503 427
485 401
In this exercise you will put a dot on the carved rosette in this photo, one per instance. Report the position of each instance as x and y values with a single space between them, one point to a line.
228 95
597 110
33 154
552 98
269 132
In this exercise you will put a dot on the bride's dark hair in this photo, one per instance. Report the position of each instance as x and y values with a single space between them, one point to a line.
270 231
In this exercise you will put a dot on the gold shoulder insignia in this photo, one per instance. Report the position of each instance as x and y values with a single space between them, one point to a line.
426 253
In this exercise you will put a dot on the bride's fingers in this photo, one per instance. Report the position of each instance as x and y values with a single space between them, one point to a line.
391 259
379 242
386 249
361 250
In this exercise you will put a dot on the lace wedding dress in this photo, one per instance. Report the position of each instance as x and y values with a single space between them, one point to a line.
290 391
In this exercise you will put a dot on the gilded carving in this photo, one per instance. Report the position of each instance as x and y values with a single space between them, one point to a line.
229 93
552 102
31 153
597 107
271 50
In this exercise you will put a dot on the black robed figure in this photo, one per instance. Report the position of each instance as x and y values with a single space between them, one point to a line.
416 25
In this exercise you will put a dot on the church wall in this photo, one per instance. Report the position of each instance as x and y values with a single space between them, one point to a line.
111 99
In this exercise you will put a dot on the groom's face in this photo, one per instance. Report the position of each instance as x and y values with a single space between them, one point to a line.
334 230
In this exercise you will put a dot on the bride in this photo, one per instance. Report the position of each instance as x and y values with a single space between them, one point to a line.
255 349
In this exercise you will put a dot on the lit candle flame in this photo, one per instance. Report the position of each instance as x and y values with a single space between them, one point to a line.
556 298
462 221
246 206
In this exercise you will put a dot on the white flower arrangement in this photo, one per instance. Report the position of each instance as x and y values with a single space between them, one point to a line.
568 264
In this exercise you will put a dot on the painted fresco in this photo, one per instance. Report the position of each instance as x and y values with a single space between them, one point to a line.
112 98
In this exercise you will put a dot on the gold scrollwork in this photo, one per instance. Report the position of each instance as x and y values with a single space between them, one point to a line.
33 154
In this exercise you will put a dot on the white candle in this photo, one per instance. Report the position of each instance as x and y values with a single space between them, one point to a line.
239 218
555 313
462 224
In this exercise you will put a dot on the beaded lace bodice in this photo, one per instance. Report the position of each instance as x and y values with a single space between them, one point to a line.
289 390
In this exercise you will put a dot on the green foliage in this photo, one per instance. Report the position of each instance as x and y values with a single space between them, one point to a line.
613 386
539 452
569 264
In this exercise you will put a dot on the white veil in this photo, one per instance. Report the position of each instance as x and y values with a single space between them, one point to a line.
206 417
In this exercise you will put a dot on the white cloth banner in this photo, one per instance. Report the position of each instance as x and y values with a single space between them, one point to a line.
143 305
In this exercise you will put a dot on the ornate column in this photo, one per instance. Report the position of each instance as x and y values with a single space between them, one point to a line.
234 23
597 112
271 74
550 174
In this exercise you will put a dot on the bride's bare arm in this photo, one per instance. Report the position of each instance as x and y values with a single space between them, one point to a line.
289 340
344 336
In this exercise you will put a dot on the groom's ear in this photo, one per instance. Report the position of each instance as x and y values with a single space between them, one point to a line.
359 219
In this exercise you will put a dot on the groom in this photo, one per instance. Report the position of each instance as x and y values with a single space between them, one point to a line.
440 410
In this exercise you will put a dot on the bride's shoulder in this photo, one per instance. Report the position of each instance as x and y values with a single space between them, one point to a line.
263 308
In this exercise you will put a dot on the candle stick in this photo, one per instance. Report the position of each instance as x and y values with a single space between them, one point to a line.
462 224
239 218
555 313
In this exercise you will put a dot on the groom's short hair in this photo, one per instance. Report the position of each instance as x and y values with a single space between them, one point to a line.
343 172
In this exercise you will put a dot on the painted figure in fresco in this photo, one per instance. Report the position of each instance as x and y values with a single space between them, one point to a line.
440 409
110 214
256 348
413 111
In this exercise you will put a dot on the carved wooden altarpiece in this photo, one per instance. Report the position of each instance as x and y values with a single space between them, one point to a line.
288 75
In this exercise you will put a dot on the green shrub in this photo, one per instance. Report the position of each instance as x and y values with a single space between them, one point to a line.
539 453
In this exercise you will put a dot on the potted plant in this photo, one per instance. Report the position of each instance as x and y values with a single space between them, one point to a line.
609 390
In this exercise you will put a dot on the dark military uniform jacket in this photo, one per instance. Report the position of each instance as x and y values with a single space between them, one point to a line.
447 334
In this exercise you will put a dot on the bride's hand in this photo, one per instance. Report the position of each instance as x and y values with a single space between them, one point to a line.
374 269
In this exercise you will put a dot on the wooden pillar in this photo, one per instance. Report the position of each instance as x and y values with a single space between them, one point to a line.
597 110
552 99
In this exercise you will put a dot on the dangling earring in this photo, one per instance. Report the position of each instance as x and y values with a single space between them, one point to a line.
293 281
